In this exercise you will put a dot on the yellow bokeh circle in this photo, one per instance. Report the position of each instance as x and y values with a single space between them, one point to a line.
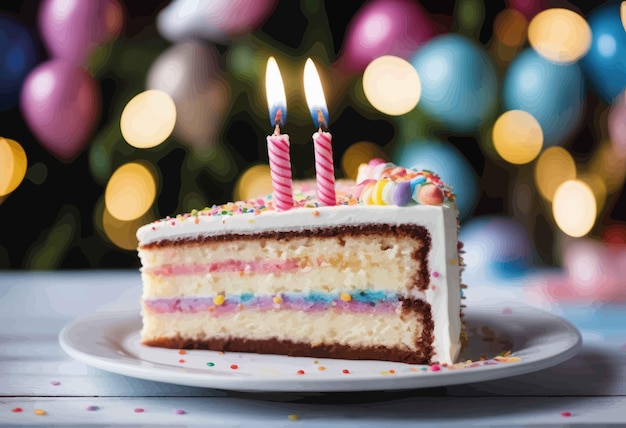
559 35
12 165
148 119
554 166
574 208
517 137
254 182
622 13
130 192
358 153
391 84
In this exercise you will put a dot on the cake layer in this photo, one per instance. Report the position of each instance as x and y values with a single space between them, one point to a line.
393 260
317 334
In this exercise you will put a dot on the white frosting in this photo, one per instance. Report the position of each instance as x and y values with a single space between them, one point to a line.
440 221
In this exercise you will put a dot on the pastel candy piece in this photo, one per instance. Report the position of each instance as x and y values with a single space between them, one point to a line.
394 172
388 192
415 182
364 172
378 169
401 195
362 185
377 191
366 196
429 194
376 161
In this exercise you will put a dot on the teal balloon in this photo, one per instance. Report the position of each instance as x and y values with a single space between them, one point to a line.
554 94
448 163
459 82
604 64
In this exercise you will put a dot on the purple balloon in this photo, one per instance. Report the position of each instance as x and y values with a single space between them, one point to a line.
61 105
386 27
71 29
617 125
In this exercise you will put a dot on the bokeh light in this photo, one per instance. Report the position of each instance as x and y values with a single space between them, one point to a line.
12 165
509 28
517 136
597 186
358 153
574 208
609 164
254 182
130 191
392 85
622 14
148 119
123 233
559 35
554 166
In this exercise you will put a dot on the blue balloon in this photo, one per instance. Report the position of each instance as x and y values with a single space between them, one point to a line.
18 56
604 64
448 163
554 94
495 247
459 82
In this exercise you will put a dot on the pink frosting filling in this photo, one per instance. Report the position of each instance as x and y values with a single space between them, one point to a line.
263 266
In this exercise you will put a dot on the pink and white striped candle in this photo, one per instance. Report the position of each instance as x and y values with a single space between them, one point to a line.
280 170
278 144
324 166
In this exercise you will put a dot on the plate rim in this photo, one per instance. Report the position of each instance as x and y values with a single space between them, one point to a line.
399 381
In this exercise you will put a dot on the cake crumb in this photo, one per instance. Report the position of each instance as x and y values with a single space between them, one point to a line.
293 417
39 412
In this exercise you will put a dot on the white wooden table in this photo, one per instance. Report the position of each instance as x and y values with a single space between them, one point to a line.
35 374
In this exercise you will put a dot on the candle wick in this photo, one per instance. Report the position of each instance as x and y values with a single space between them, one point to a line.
277 129
320 118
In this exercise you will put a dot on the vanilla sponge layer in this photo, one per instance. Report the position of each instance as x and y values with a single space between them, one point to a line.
327 327
324 264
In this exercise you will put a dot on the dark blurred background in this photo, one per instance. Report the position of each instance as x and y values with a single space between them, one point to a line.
69 70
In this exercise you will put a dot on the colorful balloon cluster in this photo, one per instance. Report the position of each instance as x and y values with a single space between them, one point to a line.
60 100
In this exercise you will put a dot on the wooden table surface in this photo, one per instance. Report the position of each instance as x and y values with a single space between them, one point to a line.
35 373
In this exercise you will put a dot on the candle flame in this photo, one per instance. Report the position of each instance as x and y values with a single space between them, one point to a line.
275 92
315 94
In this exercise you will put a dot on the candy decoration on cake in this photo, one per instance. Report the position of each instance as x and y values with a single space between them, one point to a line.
324 168
278 144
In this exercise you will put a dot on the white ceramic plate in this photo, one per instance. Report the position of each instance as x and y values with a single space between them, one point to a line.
536 339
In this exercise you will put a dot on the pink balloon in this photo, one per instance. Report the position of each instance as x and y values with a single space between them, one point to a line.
61 105
617 125
528 8
386 27
71 29
593 272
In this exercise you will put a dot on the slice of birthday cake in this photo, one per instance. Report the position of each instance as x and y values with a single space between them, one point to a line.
375 277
